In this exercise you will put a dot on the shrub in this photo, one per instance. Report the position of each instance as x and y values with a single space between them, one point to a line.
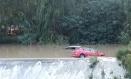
125 56
27 39
122 53
8 40
128 62
129 47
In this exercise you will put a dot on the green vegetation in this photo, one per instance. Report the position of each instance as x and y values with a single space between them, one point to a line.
128 62
125 56
122 53
66 21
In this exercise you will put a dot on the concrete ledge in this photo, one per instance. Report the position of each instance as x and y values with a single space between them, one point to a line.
56 59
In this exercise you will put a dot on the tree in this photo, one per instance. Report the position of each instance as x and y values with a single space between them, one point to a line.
98 22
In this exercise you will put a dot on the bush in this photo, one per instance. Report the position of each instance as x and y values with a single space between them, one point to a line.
122 53
94 24
128 62
129 46
27 39
8 40
125 56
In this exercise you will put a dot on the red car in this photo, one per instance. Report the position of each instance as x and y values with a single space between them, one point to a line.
85 52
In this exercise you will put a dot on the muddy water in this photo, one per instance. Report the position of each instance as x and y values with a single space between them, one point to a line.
49 51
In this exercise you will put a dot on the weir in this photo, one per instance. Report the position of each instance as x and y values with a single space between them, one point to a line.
60 68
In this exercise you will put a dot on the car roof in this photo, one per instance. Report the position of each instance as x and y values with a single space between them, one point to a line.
73 47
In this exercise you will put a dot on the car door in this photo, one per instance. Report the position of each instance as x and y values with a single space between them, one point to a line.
92 52
89 52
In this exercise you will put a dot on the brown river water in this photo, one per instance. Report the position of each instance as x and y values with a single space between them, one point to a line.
50 51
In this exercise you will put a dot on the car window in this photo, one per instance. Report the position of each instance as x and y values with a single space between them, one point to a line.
89 49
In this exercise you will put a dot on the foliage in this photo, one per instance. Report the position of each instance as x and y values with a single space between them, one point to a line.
125 38
8 39
64 21
127 65
128 62
125 35
95 24
27 39
122 53
129 45
125 56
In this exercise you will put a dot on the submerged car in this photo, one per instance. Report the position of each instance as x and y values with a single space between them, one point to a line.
86 52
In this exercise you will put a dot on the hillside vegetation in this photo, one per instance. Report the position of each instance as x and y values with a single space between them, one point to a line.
66 21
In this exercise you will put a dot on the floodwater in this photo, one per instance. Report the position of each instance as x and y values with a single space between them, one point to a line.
49 51
55 62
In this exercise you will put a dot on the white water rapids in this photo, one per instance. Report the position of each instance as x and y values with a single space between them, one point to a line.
107 68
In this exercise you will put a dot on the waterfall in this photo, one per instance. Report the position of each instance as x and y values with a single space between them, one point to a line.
60 69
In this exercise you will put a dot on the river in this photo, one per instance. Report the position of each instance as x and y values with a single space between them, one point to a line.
49 51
